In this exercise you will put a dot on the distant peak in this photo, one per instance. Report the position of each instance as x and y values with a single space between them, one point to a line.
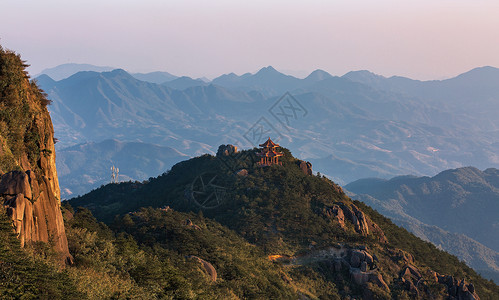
480 72
45 78
362 73
117 72
267 70
319 75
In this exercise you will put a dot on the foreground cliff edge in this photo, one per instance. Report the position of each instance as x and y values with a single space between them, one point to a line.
29 187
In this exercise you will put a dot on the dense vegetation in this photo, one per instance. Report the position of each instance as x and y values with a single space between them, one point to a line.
17 113
25 274
278 209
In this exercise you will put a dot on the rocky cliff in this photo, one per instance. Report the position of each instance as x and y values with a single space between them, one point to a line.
29 187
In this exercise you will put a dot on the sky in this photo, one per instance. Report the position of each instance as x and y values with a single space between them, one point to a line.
418 39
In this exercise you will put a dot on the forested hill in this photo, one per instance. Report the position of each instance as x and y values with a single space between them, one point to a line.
323 244
456 209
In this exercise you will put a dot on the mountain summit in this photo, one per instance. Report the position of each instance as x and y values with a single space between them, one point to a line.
304 224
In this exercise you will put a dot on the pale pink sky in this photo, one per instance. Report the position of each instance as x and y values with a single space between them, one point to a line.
419 39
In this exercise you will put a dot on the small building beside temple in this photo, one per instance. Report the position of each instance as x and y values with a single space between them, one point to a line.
269 154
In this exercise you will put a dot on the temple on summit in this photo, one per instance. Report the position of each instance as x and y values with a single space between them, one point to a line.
269 154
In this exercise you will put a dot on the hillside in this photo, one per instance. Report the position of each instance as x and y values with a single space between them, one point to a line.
461 203
29 186
317 237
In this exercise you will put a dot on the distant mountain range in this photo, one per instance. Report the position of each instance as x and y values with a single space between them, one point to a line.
86 166
350 127
456 209
353 126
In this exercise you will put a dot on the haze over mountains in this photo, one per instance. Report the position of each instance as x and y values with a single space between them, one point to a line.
350 127
354 126
456 209
83 167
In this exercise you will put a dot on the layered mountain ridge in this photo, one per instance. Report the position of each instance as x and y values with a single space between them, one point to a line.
369 129
455 209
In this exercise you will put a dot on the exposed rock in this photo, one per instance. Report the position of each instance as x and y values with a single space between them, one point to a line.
242 172
458 289
32 196
335 212
36 218
377 231
305 166
357 257
411 270
355 261
225 150
357 217
363 266
410 278
377 279
361 278
16 182
369 259
209 269
402 255
362 224
165 208
189 223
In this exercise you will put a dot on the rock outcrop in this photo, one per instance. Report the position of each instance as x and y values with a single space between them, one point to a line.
305 166
30 193
34 210
225 150
207 267
363 269
458 289
336 213
362 224
242 173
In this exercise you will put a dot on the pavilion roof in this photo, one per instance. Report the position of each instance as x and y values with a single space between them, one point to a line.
269 143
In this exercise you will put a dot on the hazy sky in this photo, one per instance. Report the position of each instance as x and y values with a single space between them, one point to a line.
420 39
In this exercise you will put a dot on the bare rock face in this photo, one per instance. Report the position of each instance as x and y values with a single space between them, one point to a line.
226 150
357 217
363 269
35 211
305 166
31 193
362 224
336 213
15 182
208 267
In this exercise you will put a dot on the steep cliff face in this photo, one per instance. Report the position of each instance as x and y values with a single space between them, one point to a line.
29 187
